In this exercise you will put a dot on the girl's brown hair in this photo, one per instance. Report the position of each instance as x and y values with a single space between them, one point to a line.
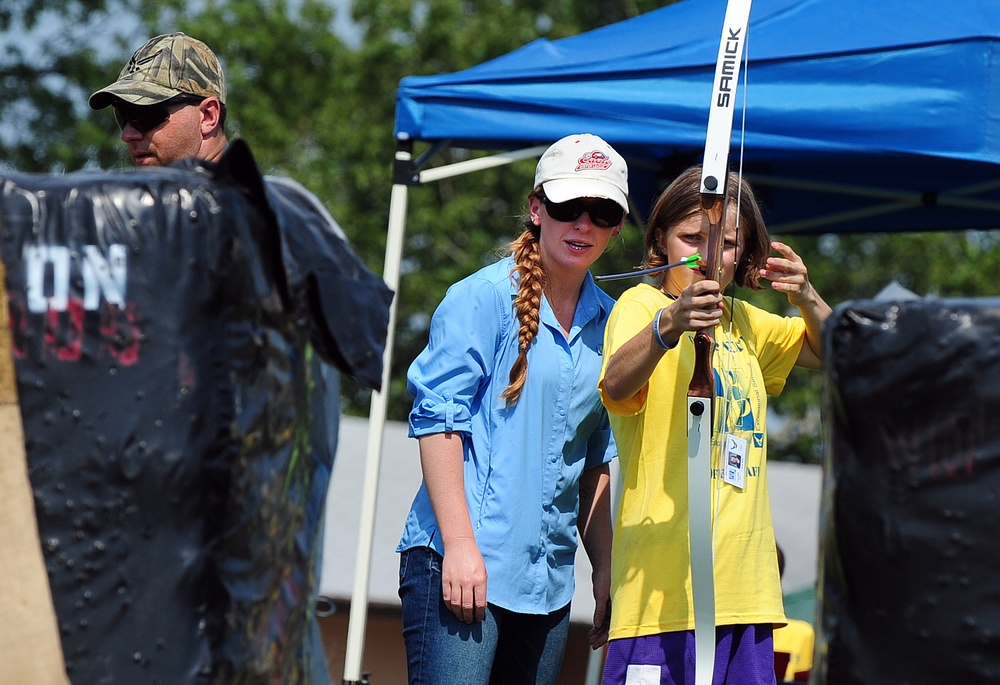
531 281
682 199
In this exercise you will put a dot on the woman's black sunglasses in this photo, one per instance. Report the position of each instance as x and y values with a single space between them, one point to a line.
145 118
603 213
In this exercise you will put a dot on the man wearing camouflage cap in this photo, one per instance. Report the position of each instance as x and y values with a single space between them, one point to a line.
169 101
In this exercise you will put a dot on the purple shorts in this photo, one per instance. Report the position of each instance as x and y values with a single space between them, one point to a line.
744 655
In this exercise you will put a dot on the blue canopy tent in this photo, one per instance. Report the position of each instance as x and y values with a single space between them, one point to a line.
860 116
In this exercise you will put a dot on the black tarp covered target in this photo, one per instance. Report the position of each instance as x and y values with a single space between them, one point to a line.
169 329
910 561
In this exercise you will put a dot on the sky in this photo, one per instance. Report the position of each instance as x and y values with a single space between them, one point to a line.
103 33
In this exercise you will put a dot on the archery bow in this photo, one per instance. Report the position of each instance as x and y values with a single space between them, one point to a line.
701 390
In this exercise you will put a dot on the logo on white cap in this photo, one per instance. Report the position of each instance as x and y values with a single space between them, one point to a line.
594 160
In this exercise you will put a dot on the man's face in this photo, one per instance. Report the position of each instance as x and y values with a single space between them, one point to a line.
158 135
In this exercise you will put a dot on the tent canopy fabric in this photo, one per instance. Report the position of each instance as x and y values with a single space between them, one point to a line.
860 116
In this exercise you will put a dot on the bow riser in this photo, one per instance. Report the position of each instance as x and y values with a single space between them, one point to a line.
702 380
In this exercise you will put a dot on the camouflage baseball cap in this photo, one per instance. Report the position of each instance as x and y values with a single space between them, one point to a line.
166 66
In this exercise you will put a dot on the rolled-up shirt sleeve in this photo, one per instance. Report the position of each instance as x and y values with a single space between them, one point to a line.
447 377
601 448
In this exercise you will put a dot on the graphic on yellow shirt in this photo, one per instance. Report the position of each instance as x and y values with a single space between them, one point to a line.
739 389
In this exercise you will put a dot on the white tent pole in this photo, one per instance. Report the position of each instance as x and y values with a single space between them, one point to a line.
480 163
373 455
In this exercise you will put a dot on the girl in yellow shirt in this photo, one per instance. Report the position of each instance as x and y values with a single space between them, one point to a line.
648 362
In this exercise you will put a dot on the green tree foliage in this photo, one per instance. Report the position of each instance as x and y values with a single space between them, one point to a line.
320 108
46 66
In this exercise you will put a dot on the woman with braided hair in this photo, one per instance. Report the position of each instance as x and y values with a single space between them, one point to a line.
514 441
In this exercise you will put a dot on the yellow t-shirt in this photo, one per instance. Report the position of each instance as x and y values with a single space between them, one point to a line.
796 639
651 568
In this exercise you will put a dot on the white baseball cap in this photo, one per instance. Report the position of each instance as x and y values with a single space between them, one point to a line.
582 165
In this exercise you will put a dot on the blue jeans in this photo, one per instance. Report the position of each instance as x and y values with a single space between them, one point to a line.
506 648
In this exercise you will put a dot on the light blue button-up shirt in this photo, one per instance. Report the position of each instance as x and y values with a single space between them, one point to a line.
522 464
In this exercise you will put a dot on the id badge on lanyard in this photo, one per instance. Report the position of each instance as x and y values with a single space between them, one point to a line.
734 461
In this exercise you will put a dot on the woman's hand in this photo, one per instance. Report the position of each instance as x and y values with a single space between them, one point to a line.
463 580
463 571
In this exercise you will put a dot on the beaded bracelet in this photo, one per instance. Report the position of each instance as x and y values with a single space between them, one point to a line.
656 331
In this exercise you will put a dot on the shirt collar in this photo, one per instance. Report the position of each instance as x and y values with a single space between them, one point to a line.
592 298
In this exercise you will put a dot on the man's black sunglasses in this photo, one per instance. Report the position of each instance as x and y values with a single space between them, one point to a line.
145 118
603 213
